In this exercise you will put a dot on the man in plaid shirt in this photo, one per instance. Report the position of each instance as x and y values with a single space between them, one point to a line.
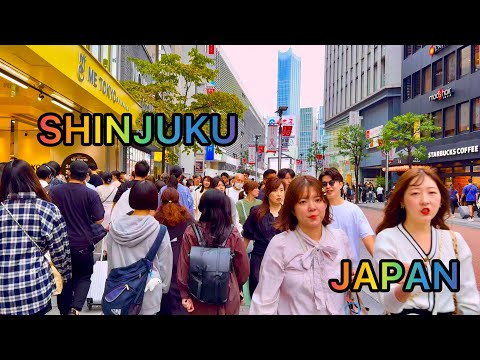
26 281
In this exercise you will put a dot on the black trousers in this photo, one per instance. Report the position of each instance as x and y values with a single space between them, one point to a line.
75 291
255 263
172 301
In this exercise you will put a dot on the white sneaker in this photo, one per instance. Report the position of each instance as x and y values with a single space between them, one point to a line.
471 219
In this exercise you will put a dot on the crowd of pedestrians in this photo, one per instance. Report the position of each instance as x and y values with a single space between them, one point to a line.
287 236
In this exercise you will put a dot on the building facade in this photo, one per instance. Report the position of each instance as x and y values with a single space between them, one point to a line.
444 81
362 86
250 125
60 79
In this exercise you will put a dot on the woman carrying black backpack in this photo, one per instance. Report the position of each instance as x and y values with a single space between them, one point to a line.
215 225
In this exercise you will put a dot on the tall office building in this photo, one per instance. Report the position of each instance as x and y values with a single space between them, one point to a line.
321 125
362 85
305 134
288 90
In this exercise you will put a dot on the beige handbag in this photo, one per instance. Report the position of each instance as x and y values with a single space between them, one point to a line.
56 275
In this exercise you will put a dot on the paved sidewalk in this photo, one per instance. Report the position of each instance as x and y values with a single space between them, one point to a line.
455 220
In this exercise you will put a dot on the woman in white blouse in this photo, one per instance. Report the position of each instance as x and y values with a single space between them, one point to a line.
299 261
107 192
413 228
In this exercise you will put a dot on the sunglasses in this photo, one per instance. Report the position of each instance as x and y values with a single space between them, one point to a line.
331 183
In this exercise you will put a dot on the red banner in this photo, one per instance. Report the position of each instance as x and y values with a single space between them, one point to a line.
211 49
261 149
287 130
319 156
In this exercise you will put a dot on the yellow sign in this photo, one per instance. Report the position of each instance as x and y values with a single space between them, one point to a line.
157 156
75 62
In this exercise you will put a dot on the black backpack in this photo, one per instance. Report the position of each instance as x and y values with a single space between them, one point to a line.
209 272
125 286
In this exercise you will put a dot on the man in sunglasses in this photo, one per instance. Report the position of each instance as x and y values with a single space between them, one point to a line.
346 215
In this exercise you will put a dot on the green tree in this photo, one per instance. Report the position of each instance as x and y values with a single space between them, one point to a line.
312 153
405 132
171 82
351 143
380 181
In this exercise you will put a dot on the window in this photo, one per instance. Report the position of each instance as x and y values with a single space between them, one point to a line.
95 50
106 57
437 121
407 88
449 115
407 51
368 81
450 68
463 117
382 72
416 83
477 58
375 80
476 114
437 69
465 61
427 80
114 60
362 88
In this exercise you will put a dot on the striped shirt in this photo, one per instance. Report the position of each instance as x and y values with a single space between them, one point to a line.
26 281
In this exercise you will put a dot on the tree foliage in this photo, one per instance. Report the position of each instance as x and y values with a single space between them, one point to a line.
170 89
313 151
405 132
352 142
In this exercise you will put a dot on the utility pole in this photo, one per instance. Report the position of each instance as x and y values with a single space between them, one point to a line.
256 156
280 111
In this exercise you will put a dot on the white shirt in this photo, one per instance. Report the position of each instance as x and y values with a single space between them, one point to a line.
396 243
106 193
122 206
233 194
295 271
351 219
43 183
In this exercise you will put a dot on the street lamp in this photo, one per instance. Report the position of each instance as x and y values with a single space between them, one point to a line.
323 156
280 111
301 163
256 156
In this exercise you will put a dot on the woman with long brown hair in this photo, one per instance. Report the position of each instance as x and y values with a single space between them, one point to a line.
197 194
176 218
259 227
26 216
414 228
299 262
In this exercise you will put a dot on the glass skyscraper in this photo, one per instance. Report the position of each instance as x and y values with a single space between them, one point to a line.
288 85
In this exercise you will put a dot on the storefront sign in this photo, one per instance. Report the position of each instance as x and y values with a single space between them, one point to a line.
198 166
376 131
441 94
97 81
71 158
435 49
455 151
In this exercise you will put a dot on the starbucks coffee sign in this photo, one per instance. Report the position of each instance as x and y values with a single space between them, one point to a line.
454 151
